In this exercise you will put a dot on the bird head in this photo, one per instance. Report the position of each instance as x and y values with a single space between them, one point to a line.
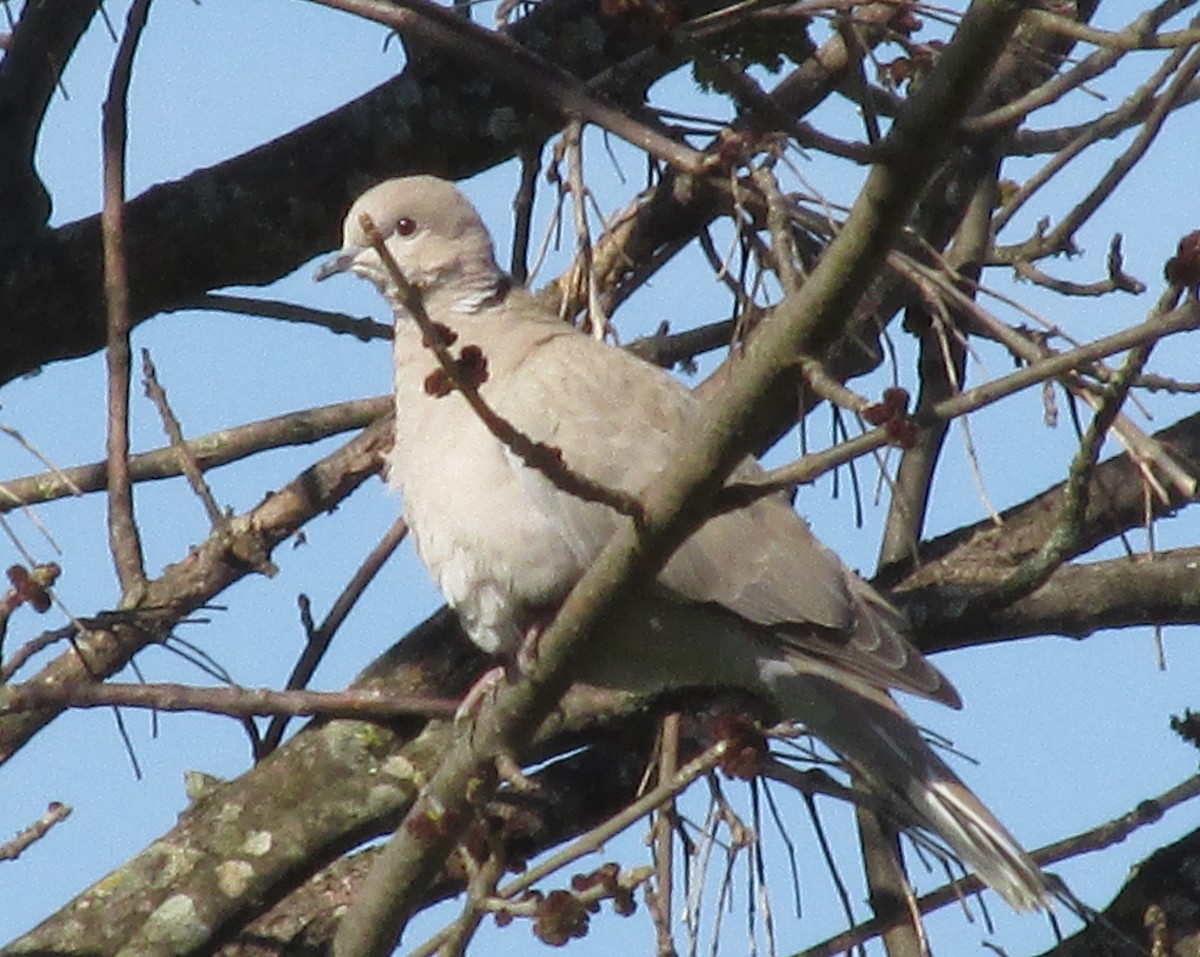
434 235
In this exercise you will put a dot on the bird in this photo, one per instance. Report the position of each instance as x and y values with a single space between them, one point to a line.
505 542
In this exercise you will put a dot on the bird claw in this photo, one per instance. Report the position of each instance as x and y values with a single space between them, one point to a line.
485 687
487 684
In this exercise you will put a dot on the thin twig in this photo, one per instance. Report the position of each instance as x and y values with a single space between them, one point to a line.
1136 36
124 539
779 223
581 267
370 705
1095 839
244 547
320 638
663 829
1117 281
531 165
56 813
668 349
811 466
481 890
598 836
1063 540
1058 86
1061 237
361 327
1146 452
210 451
187 461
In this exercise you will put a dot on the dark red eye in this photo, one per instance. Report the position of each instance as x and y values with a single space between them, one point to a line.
405 226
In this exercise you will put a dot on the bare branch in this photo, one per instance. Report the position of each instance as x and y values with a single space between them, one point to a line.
1060 238
187 462
209 451
372 705
811 466
1065 538
501 57
56 813
361 327
124 539
1107 833
320 639
235 551
30 71
1088 69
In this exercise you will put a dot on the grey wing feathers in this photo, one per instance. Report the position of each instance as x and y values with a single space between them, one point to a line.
762 562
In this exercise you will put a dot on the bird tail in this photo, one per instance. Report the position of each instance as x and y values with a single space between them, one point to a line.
949 809
868 729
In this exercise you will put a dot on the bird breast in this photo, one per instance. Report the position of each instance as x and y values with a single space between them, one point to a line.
485 525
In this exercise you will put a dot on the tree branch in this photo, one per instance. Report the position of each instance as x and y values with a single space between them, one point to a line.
30 72
242 546
260 215
806 322
209 451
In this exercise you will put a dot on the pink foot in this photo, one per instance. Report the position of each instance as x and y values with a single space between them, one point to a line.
484 687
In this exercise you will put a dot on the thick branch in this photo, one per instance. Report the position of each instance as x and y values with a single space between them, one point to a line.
962 558
1077 601
260 215
30 70
806 322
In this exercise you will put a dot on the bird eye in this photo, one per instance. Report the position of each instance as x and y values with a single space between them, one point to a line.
405 226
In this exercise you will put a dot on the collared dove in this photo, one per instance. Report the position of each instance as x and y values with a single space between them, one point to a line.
505 543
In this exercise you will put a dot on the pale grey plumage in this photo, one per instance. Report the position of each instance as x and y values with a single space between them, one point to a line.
505 544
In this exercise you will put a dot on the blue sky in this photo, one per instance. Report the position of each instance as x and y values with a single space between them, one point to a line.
1068 733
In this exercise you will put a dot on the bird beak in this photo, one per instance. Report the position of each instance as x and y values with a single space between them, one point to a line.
340 262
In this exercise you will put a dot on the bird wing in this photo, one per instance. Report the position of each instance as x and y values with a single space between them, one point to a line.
623 423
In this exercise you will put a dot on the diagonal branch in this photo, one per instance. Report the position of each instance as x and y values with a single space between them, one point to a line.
806 322
499 56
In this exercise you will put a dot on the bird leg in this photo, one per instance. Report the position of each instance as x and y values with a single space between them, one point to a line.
512 667
526 656
485 687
